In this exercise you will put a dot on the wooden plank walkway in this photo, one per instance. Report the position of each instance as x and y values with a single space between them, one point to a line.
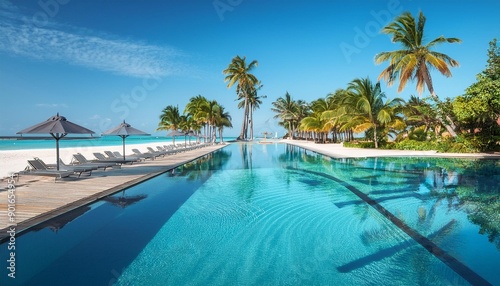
38 199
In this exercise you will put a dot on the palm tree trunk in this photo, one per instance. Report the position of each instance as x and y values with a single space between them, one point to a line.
375 136
245 134
449 127
214 133
290 130
245 116
251 121
205 132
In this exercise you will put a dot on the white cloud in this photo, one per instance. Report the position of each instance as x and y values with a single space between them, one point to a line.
77 46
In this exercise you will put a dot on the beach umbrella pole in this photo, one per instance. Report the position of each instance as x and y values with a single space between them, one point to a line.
57 137
57 153
123 139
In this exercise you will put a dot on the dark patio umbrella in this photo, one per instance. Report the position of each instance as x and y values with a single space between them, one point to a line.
124 201
124 130
175 133
60 221
58 127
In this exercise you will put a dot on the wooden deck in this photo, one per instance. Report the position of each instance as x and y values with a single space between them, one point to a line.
38 199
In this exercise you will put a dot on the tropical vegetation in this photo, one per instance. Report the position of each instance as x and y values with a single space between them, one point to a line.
199 113
467 123
239 72
415 60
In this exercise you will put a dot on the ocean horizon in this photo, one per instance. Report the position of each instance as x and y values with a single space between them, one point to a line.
69 142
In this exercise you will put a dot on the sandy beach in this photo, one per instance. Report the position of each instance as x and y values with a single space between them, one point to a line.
12 161
339 151
15 160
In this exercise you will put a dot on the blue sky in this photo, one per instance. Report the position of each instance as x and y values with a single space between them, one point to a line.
101 62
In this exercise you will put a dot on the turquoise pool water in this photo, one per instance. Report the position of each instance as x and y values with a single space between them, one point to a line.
274 214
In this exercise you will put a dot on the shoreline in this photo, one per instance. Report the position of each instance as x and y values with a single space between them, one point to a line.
12 161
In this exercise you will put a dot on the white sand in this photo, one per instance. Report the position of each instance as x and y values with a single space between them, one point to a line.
12 161
339 151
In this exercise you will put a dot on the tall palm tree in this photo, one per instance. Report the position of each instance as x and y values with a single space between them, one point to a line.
254 102
416 59
287 110
365 102
239 73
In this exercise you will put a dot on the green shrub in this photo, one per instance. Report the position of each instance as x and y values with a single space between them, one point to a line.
460 144
356 144
415 145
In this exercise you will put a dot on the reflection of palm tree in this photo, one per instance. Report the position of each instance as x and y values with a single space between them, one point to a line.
246 155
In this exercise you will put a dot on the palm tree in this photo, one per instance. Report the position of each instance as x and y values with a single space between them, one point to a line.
319 107
222 119
336 116
287 110
186 124
315 123
420 114
303 111
254 102
170 119
195 107
238 72
416 59
368 111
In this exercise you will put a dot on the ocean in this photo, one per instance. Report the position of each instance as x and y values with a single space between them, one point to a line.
49 143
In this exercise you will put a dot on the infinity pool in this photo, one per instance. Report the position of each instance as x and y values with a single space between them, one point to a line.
274 214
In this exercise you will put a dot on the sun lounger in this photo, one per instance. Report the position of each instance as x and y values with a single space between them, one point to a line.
170 148
165 151
145 155
157 152
118 156
101 158
81 160
77 168
40 165
34 166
